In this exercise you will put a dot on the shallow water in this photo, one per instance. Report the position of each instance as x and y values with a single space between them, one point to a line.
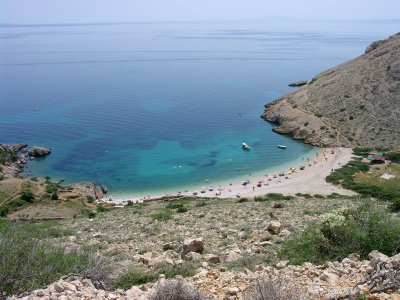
142 107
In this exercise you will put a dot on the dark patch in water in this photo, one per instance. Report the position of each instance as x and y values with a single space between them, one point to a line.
213 154
209 164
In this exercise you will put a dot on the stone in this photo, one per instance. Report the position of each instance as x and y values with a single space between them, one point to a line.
192 245
212 258
329 277
72 238
168 246
298 83
146 257
233 291
354 257
377 257
232 256
193 256
274 227
282 264
58 288
39 151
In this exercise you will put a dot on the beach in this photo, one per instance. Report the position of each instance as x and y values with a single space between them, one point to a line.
306 178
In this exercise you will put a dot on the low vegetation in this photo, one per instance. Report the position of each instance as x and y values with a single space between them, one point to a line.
27 264
349 231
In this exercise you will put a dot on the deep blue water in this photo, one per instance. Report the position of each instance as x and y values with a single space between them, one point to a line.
143 107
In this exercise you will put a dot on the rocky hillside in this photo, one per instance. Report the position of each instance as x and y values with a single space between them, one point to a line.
355 103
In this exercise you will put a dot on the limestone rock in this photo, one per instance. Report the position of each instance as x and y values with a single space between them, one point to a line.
39 151
192 245
274 227
212 258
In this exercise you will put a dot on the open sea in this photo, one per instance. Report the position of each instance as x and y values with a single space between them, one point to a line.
146 107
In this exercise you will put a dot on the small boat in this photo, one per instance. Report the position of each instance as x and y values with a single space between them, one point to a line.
245 146
282 146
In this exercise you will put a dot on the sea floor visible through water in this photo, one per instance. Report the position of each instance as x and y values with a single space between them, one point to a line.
147 107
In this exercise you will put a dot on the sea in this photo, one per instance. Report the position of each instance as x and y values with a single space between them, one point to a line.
151 107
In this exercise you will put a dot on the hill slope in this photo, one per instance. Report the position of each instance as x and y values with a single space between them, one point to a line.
355 103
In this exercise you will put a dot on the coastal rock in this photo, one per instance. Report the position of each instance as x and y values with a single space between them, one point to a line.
104 189
12 148
39 151
338 106
298 83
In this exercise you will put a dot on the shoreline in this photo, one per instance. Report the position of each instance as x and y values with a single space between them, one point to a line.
311 180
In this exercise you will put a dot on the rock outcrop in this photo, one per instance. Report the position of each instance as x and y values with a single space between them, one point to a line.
298 83
39 151
355 103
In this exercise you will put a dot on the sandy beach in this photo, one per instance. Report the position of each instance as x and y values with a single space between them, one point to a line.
307 180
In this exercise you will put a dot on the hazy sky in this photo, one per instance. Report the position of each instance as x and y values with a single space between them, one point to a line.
66 11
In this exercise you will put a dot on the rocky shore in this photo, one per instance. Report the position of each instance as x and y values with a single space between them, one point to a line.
16 157
355 103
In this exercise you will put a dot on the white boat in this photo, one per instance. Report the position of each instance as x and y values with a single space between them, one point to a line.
245 146
282 146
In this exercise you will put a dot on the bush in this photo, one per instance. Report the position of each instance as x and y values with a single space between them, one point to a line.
26 264
201 204
27 196
181 209
88 213
89 199
359 230
177 290
242 200
51 187
162 215
135 277
395 206
272 289
272 197
54 196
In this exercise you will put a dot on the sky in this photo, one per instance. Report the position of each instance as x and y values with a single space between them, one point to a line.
92 11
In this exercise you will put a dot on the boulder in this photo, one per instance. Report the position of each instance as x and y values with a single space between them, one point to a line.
274 227
147 257
192 245
298 83
168 246
212 258
329 277
103 188
192 256
39 151
377 257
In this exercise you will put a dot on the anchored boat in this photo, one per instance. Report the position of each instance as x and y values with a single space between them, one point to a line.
245 146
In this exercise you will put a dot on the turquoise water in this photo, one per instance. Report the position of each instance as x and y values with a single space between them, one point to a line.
145 107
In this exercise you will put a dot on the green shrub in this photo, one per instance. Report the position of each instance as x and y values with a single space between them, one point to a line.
201 204
90 199
318 196
54 196
354 231
162 215
27 196
135 277
181 209
272 197
242 200
88 213
26 264
319 115
51 187
395 206
306 124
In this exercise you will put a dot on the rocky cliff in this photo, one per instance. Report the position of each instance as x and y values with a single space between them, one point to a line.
355 103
